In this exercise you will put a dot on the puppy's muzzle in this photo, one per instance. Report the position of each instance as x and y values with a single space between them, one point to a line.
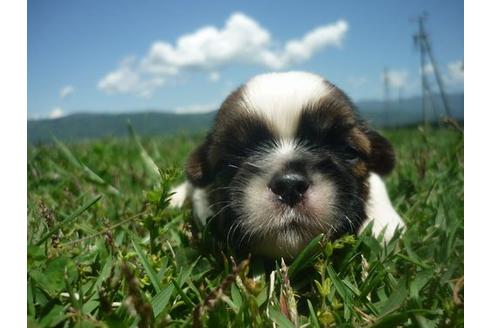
289 187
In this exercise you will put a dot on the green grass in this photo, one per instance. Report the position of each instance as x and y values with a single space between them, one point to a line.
105 251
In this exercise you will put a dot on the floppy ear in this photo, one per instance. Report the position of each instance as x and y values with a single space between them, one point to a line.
197 166
382 157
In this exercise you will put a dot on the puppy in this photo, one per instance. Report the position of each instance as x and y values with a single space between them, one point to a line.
288 158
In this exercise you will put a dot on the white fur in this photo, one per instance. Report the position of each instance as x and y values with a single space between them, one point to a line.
279 98
283 152
285 147
201 205
267 219
186 193
180 194
380 210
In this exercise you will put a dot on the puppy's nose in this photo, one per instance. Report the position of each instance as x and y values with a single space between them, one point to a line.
289 187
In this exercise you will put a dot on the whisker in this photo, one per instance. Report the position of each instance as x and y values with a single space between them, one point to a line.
210 219
217 203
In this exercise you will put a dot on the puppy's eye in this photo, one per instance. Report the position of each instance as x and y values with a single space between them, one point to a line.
350 155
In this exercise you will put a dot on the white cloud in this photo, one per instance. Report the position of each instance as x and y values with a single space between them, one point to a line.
127 79
452 75
297 51
428 69
214 76
197 108
242 40
66 91
455 73
397 78
57 112
357 81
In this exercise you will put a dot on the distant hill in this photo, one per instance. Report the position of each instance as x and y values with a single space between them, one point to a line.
82 126
87 126
409 111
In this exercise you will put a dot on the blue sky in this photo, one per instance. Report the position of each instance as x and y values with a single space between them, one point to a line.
119 56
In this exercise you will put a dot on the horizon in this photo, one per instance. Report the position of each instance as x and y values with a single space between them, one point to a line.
135 56
168 111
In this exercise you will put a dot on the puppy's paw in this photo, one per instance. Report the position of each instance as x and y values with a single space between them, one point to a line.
380 211
180 195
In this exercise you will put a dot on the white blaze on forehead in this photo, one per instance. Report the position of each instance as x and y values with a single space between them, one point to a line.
273 157
280 97
285 147
282 153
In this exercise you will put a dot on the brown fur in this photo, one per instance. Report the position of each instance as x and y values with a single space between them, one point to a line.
331 124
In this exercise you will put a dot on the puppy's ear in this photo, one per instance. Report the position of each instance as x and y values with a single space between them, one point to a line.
382 157
197 166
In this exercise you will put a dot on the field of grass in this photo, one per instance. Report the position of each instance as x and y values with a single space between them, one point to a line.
105 251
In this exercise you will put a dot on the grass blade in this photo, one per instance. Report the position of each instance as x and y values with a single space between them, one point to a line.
312 315
160 301
340 286
306 257
149 163
182 293
71 218
280 319
148 268
395 300
90 174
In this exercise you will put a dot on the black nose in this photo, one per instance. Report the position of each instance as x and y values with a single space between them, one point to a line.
289 187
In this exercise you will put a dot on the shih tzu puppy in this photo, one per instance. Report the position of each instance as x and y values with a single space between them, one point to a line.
289 158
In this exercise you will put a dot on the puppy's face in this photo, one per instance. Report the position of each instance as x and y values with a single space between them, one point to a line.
286 160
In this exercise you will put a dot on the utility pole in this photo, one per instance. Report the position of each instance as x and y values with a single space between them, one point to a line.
417 38
421 40
386 96
435 69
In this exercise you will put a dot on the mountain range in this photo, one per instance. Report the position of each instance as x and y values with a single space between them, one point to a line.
82 126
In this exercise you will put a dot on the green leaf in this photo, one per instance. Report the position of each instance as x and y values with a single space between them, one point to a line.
395 319
395 300
231 303
312 315
90 305
185 274
306 257
52 279
280 319
339 285
420 264
161 300
182 293
68 220
54 317
391 321
31 310
151 168
421 279
236 295
148 268
352 288
104 273
372 243
90 174
35 254
262 297
423 322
